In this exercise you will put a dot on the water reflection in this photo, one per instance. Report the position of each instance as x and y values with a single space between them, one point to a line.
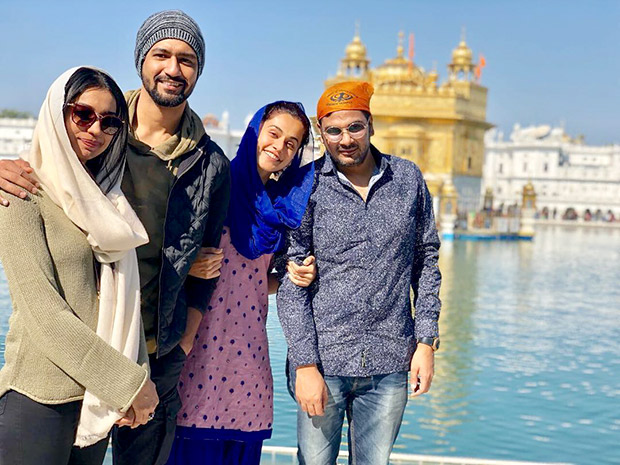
530 335
446 405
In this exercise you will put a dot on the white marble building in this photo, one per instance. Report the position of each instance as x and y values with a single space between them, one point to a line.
568 176
222 134
15 135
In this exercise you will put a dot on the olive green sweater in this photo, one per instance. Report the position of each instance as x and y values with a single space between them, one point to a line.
52 352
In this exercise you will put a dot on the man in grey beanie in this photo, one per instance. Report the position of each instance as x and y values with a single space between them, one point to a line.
178 182
173 24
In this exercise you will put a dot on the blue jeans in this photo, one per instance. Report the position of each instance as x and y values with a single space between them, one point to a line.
374 407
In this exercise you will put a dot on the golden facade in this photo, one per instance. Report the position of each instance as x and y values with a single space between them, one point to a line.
439 126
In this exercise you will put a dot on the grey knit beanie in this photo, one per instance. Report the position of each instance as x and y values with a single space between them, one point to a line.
170 24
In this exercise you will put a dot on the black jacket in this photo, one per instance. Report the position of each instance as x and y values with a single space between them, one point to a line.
197 208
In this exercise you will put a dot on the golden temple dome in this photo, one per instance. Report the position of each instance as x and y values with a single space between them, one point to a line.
398 70
462 55
354 65
356 50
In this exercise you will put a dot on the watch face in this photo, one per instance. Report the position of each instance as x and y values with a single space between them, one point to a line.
436 344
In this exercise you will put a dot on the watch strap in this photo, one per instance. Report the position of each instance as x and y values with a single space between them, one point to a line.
430 341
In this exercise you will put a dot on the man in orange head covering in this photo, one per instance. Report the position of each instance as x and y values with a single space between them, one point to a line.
351 335
350 95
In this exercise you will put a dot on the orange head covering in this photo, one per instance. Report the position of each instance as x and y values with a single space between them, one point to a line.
350 95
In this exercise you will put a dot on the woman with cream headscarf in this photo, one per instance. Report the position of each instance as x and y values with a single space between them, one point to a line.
75 333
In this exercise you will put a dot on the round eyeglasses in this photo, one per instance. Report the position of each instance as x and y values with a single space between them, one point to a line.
355 130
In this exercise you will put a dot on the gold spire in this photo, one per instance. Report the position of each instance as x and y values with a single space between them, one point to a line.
398 70
462 55
400 58
355 64
462 66
400 49
356 50
432 76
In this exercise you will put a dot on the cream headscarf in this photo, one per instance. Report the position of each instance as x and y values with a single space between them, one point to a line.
112 229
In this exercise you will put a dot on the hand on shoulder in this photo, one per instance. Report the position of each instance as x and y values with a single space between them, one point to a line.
16 178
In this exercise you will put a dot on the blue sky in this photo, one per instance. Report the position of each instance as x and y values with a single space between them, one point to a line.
548 62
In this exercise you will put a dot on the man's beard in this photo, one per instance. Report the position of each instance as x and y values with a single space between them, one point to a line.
342 162
166 100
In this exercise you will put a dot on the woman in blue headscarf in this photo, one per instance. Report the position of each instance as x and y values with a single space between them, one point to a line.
226 385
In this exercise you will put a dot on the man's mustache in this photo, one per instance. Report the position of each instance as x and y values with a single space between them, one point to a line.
161 78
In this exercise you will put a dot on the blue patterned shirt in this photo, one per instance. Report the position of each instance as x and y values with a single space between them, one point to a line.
356 318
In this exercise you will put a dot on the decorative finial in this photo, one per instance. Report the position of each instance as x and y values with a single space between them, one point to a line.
463 34
411 50
400 49
357 28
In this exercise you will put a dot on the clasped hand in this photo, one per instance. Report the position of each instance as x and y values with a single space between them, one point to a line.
142 408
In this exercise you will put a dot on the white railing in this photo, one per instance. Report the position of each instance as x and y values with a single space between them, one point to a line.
276 455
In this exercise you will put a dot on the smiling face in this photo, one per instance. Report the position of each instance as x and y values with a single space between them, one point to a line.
278 141
91 142
348 151
169 72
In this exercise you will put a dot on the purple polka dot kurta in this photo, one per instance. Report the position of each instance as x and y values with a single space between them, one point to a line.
226 383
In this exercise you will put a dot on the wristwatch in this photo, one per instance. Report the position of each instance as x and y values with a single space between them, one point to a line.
429 341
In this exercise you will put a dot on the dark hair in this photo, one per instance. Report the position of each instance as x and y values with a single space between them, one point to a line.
108 167
293 109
